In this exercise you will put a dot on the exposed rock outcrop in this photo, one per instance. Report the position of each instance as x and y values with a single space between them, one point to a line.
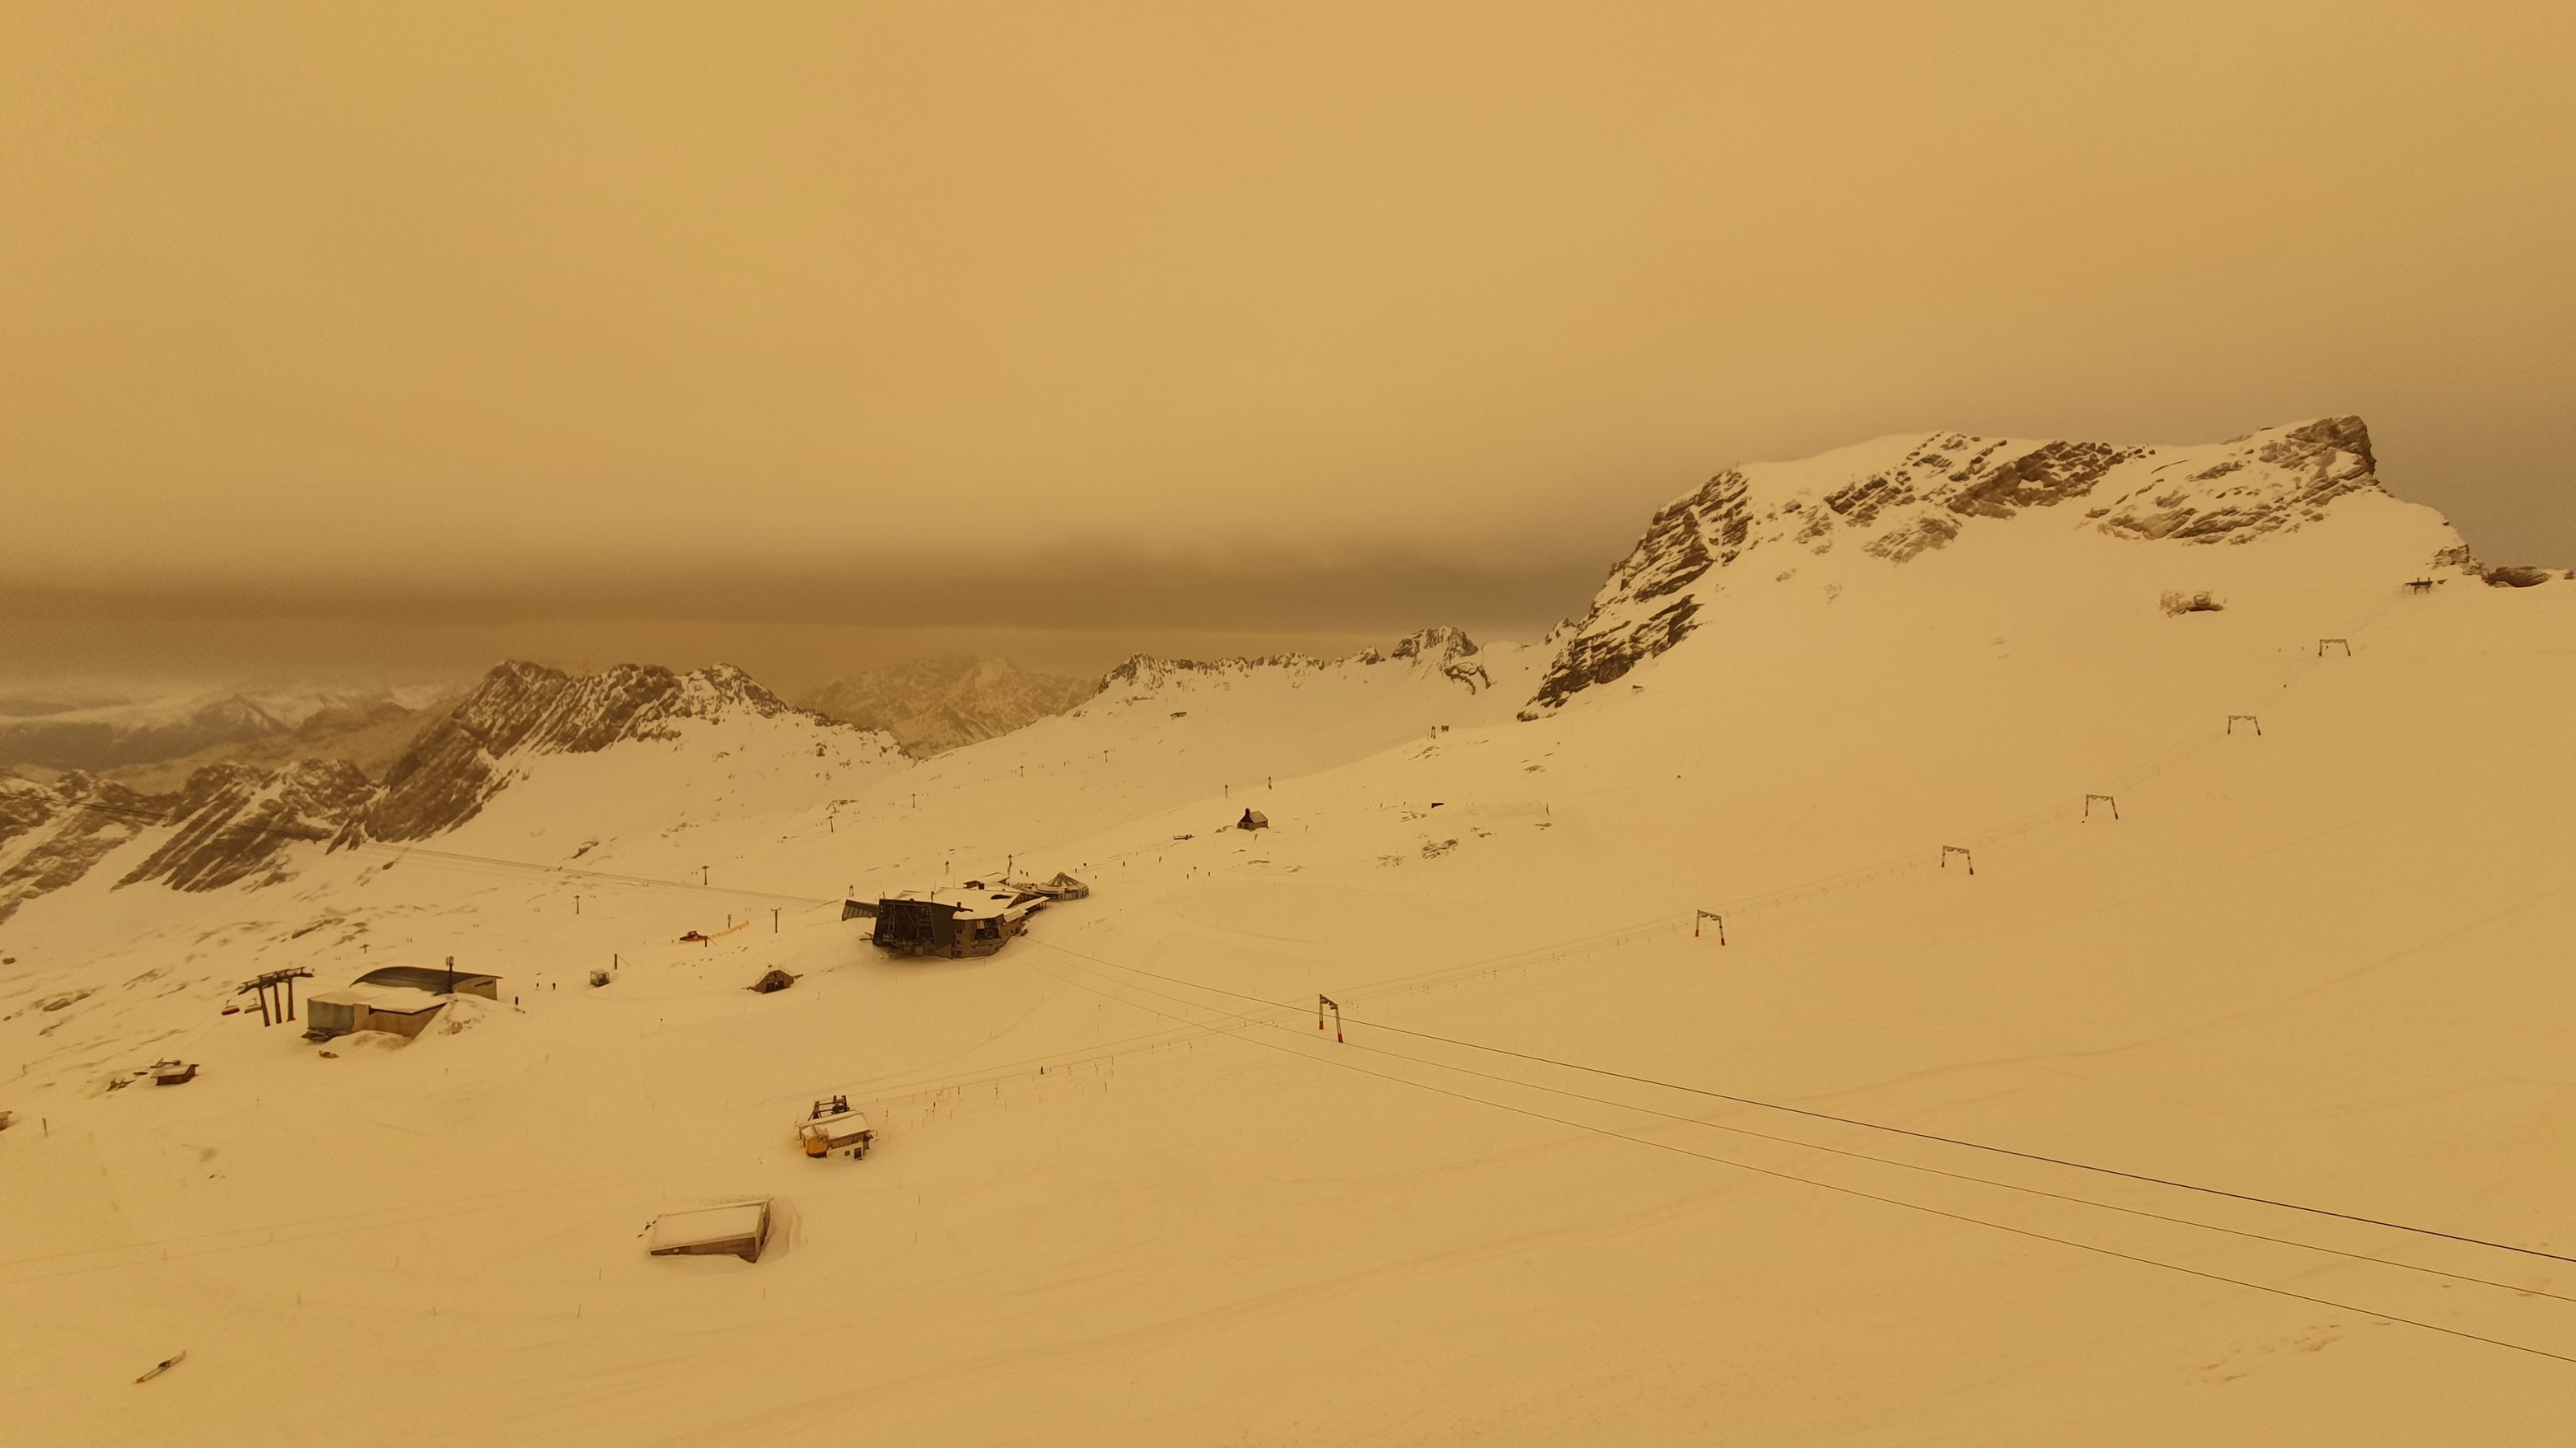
523 708
1905 497
2513 577
1444 649
234 823
1450 651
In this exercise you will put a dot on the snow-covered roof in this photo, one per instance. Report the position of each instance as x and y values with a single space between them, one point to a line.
426 977
840 1126
970 904
398 999
731 1222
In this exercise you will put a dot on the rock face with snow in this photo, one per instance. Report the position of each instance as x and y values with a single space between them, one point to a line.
49 839
234 823
1442 649
931 706
522 709
1898 498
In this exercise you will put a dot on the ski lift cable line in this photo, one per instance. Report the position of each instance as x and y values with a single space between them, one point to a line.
1273 1022
1963 1217
1857 1121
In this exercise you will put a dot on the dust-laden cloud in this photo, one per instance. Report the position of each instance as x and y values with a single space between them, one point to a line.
1069 610
470 331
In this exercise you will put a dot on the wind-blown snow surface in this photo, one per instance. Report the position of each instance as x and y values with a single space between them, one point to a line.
2323 964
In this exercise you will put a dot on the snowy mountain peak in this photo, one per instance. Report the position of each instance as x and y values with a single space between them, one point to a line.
525 708
234 822
1897 498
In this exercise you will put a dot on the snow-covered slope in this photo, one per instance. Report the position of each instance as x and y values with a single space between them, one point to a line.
232 822
1126 1191
1900 497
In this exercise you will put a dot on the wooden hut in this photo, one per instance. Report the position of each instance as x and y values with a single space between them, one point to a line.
1253 819
774 980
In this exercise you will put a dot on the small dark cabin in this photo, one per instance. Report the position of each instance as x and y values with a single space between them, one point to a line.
1253 819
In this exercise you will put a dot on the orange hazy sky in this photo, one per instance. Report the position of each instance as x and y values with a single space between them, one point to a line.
376 304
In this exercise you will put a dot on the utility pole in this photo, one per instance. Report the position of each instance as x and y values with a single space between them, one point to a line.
773 918
451 975
706 874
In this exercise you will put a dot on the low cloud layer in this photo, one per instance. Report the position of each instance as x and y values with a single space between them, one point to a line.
952 318
1072 612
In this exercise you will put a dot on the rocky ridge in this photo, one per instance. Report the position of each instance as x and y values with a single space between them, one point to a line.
1909 496
1444 649
233 823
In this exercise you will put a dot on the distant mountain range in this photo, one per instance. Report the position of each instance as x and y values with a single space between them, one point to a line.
934 705
101 736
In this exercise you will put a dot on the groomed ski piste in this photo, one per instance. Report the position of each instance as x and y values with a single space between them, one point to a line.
2245 1114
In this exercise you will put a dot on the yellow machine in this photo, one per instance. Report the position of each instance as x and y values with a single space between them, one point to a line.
832 1127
